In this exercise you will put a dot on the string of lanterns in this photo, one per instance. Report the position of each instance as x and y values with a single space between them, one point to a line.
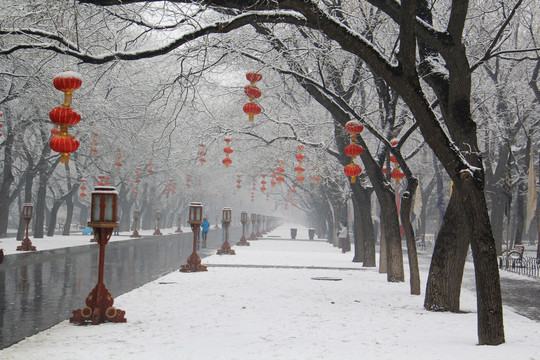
299 169
64 116
202 152
252 92
83 188
227 150
353 150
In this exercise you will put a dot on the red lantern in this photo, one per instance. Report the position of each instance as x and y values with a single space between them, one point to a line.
280 179
227 150
64 116
300 157
300 179
83 195
202 160
64 144
227 161
67 82
394 142
253 77
252 109
352 170
252 92
393 159
354 127
353 150
397 175
263 188
273 182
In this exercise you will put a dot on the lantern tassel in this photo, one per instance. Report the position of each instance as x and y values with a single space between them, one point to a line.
251 117
353 179
64 158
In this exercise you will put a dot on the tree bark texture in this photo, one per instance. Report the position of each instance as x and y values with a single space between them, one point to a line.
405 214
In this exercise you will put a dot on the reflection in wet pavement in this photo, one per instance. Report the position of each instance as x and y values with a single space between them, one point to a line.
40 289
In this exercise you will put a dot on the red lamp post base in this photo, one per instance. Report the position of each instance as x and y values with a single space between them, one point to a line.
243 242
26 245
135 234
179 230
98 308
193 264
226 249
157 232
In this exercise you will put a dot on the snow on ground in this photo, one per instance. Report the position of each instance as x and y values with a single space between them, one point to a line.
239 312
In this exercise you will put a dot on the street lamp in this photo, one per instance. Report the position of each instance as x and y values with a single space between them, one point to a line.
244 219
195 220
179 229
136 216
99 302
226 221
259 235
253 221
27 216
158 217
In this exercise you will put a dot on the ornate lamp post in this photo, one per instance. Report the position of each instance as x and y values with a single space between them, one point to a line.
258 234
244 219
99 303
226 221
136 216
263 220
27 216
158 218
179 229
253 221
195 220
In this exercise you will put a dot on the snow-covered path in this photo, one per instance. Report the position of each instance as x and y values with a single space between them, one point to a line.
239 312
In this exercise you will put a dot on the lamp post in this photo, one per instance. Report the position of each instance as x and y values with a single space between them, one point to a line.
99 303
195 220
263 220
259 235
253 221
226 221
136 216
244 219
158 217
27 216
179 230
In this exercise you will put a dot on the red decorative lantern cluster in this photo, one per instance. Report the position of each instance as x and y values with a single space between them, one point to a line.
353 150
273 182
239 181
118 158
101 180
136 182
252 92
93 150
280 171
64 116
188 180
83 187
263 183
202 152
227 150
252 196
170 187
149 167
299 169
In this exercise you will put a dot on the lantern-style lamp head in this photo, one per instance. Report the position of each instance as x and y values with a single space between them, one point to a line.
258 218
244 217
136 214
253 218
195 213
27 211
104 207
227 213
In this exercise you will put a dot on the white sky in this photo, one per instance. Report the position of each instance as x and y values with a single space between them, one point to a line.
275 313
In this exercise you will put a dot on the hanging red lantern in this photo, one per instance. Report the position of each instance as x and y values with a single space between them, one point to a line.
352 170
397 175
263 188
280 179
227 150
353 150
384 170
394 142
64 116
252 109
252 92
354 127
273 182
253 77
300 179
64 144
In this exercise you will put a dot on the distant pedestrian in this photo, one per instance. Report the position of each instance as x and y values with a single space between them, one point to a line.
343 235
205 227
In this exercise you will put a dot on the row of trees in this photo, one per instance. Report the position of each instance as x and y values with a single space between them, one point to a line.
459 95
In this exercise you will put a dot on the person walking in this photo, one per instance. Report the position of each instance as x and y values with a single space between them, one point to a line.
342 236
205 227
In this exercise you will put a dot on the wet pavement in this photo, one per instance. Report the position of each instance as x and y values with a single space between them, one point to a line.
41 289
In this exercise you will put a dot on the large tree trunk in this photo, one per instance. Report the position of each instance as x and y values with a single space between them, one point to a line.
405 215
69 215
7 181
